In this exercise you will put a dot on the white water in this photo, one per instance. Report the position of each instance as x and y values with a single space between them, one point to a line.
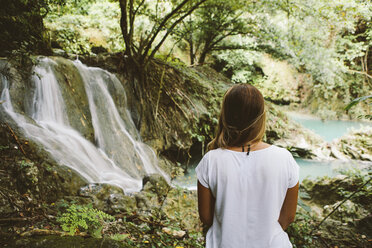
117 159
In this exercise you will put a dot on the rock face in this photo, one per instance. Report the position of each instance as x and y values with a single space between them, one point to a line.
329 190
31 175
283 132
108 198
355 145
180 107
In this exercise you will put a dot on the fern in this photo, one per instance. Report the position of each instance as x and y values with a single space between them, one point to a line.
79 218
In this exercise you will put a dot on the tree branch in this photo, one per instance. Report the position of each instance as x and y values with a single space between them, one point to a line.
162 24
169 31
356 191
124 26
360 72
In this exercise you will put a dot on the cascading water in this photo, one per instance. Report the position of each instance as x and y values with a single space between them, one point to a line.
117 158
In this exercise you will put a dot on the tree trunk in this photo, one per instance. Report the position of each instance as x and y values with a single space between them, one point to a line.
203 56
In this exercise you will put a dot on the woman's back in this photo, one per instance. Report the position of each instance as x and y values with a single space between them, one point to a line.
249 191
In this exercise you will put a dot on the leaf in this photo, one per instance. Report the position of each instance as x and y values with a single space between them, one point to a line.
356 101
304 206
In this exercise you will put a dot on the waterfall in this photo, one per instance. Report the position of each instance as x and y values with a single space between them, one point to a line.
118 156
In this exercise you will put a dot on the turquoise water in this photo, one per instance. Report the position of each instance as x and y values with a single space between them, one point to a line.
328 130
308 169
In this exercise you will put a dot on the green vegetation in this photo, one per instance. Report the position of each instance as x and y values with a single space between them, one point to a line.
313 54
329 204
327 41
83 218
80 27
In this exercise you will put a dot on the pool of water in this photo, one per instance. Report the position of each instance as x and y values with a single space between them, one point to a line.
308 169
328 130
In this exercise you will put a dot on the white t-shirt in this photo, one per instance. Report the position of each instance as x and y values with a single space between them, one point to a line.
249 192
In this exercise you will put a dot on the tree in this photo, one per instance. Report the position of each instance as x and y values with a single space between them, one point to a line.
206 29
21 25
142 49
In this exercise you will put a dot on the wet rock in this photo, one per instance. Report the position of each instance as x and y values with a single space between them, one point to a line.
176 233
299 148
355 145
153 194
155 183
119 203
108 198
337 154
147 201
72 88
59 52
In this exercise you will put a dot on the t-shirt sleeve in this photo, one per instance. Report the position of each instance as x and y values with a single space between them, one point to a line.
202 171
294 170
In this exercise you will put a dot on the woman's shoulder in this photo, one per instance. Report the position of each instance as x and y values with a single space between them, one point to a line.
279 151
272 151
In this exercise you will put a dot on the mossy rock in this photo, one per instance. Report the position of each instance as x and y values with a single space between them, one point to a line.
326 191
108 198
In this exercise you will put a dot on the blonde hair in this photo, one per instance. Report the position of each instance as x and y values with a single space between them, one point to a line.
242 118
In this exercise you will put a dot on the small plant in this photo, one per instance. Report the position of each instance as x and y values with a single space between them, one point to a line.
119 236
3 147
83 218
300 230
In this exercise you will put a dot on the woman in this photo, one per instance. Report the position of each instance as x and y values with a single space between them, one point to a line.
247 189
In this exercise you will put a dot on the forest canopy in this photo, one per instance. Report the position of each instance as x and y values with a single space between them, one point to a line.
326 39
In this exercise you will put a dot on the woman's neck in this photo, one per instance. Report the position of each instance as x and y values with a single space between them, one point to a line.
253 147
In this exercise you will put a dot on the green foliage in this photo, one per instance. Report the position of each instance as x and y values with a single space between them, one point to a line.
358 100
210 25
4 148
21 24
29 171
240 65
300 230
119 236
328 40
83 218
77 26
26 164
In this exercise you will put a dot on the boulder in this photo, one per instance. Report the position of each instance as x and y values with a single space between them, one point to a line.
108 198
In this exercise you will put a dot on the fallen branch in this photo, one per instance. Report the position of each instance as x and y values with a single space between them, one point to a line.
41 232
16 138
14 219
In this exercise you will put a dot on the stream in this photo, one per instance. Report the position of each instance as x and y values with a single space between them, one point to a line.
328 130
